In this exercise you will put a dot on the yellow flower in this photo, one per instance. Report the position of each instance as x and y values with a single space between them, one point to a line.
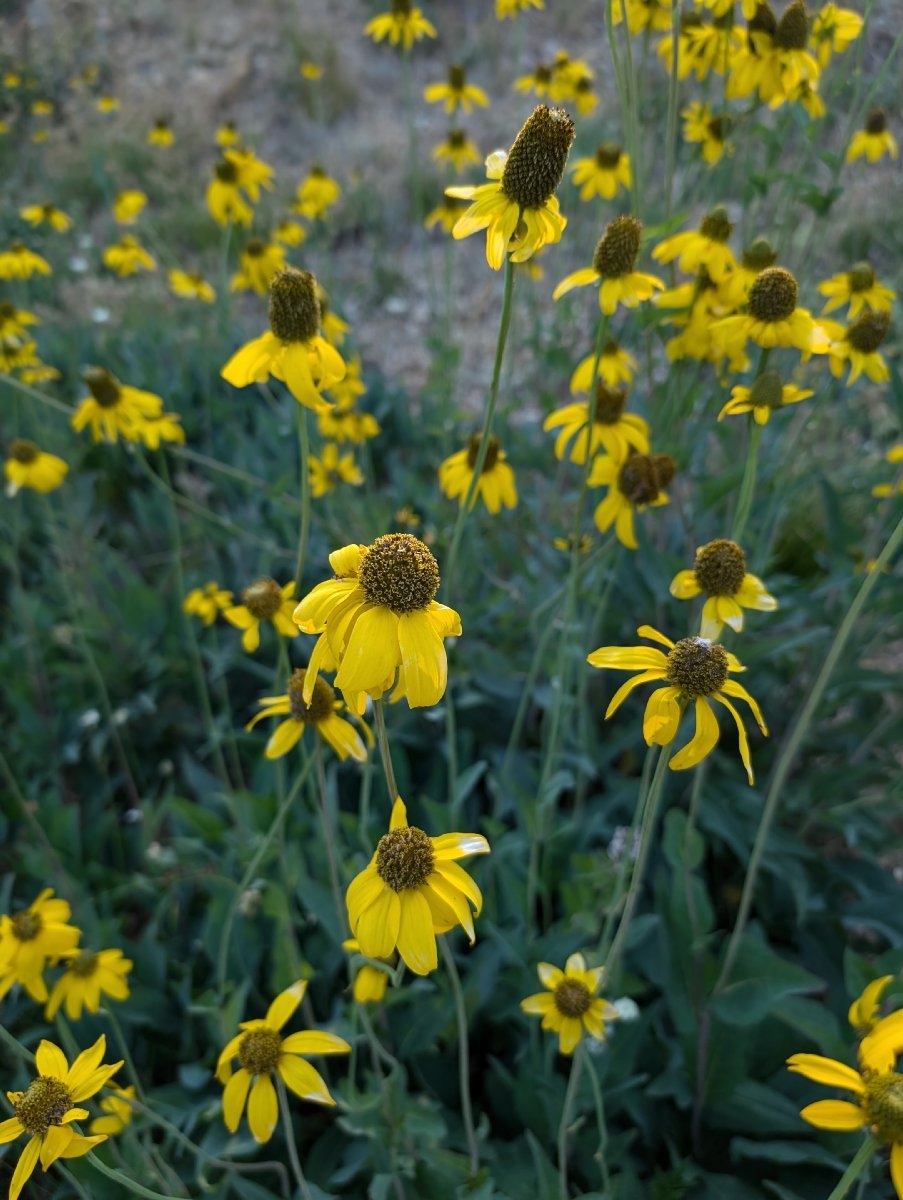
118 1111
207 602
411 890
445 214
457 93
510 8
164 428
712 132
127 256
701 46
88 977
603 173
37 372
310 70
321 712
570 1006
294 350
259 263
403 26
785 63
237 171
541 81
334 328
42 108
12 79
31 938
771 318
113 408
18 262
765 396
28 466
613 269
833 30
706 247
128 207
694 669
369 982
874 141
654 15
46 1109
604 424
160 133
733 291
316 194
290 233
227 134
496 483
15 354
616 365
40 214
720 573
263 600
379 624
520 212
858 345
107 104
330 469
894 455
343 421
191 285
262 1053
859 288
457 149
634 484
863 1012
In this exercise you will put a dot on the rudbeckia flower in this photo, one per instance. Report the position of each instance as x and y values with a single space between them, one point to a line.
787 63
127 256
771 318
766 396
290 233
638 483
46 1109
263 1053
14 321
833 30
603 423
263 600
510 8
28 466
331 469
411 890
859 288
207 602
316 194
166 427
46 214
370 982
117 1109
616 366
445 214
496 483
458 150
379 623
403 26
321 712
694 670
570 1005
113 408
259 263
457 93
613 269
710 131
603 173
31 938
191 285
719 573
863 1012
160 133
294 350
858 345
88 977
129 206
18 262
520 210
874 141
706 247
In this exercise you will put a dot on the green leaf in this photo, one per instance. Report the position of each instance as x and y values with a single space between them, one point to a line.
762 979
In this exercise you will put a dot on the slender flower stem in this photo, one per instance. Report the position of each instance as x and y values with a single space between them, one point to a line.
855 1169
304 468
748 486
293 1159
601 1126
463 1058
671 135
326 822
564 1128
130 1185
385 750
792 746
413 148
467 502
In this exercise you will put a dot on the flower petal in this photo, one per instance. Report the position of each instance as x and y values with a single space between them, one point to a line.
304 1080
828 1071
704 739
285 1004
263 1109
314 1041
28 1160
662 717
50 1060
416 938
235 1094
378 925
834 1114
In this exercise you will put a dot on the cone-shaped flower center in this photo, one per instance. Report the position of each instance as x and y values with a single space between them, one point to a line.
716 227
536 161
862 277
609 404
492 451
7 310
226 172
262 598
399 572
258 1051
869 331
404 858
44 1104
720 568
27 925
401 8
720 127
643 476
759 255
793 27
697 667
618 247
608 156
23 451
456 77
457 139
884 1104
876 121
763 20
103 386
572 998
84 965
254 248
767 391
294 305
773 295
322 702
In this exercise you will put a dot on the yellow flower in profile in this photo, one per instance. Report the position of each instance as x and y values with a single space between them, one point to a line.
294 350
859 345
259 263
706 247
160 133
694 670
520 210
28 466
874 141
334 328
587 427
458 150
227 134
603 173
344 422
321 713
129 206
510 8
457 93
613 269
331 469
833 30
207 602
863 1012
859 288
37 372
263 1053
18 262
316 194
263 600
166 427
88 977
225 202
113 408
616 365
403 26
290 233
766 396
370 982
719 573
786 63
379 623
191 285
711 132
771 318
413 889
445 214
654 15
46 214
127 256
108 104
636 484
496 483
46 1109
31 938
117 1109
570 1006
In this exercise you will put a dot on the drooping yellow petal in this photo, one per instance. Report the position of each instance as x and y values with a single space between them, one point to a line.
581 278
881 1048
704 739
896 1168
363 891
235 1094
416 939
377 927
684 585
828 1071
28 1160
662 717
304 1080
424 666
569 1034
626 688
628 658
459 879
539 1004
284 738
371 654
834 1114
55 1144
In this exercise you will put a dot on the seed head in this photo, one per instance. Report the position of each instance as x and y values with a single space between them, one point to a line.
457 77
254 248
763 21
793 28
876 121
767 391
404 858
104 387
716 226
27 924
609 404
720 127
322 702
572 998
537 159
773 295
618 247
720 568
608 156
862 277
45 1103
759 255
294 306
697 667
643 476
84 964
226 171
399 572
23 451
883 1103
262 598
259 1050
492 451
868 332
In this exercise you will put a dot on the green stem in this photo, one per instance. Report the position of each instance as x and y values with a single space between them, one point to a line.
291 1146
130 1185
792 746
855 1169
601 1125
413 149
463 1058
34 825
563 1129
326 823
671 134
748 486
304 456
385 750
